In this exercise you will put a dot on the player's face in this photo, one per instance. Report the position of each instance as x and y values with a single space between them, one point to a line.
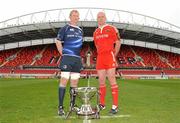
74 17
101 18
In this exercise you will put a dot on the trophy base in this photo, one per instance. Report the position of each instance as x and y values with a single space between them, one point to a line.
88 112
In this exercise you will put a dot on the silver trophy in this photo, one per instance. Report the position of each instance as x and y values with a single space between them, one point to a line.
87 109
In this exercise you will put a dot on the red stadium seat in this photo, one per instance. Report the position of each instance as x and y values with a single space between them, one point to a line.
47 55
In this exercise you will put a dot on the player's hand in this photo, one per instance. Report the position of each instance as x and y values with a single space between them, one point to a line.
116 63
60 52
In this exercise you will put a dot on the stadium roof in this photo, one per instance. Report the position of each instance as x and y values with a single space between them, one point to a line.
135 28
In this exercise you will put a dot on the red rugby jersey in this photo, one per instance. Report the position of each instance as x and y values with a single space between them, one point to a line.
105 38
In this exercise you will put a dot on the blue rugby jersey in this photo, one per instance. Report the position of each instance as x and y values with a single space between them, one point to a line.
72 37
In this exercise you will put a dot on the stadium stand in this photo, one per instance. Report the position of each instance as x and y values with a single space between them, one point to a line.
137 30
150 57
49 57
44 59
24 56
170 58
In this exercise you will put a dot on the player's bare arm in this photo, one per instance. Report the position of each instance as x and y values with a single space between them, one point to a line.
59 46
117 45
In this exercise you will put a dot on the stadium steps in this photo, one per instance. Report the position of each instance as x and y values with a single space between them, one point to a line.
40 54
7 61
135 54
50 57
172 58
4 63
54 60
163 59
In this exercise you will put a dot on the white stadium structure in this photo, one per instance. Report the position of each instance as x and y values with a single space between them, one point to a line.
137 32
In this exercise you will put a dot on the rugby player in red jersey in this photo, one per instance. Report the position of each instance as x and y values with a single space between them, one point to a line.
107 42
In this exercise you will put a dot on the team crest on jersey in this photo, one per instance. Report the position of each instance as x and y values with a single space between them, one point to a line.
107 30
65 66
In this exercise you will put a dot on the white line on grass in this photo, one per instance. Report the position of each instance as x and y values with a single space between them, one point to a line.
114 116
101 117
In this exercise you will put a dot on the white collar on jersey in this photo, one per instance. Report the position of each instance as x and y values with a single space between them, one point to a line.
74 26
101 27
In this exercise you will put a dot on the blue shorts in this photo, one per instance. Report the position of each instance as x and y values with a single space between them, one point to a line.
71 64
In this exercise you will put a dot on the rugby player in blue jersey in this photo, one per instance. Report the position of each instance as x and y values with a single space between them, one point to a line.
69 43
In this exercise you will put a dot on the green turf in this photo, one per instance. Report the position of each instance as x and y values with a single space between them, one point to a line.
35 101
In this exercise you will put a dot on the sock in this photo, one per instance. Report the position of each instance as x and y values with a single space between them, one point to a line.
114 89
72 96
102 91
62 91
114 107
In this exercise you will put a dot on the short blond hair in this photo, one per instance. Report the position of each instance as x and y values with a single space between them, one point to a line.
73 11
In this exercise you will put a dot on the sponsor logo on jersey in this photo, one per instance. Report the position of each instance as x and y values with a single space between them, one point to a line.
71 29
70 36
102 36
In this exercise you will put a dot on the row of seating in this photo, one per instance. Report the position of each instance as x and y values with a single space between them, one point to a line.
129 56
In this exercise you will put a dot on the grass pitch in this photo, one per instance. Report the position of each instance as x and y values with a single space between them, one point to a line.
142 101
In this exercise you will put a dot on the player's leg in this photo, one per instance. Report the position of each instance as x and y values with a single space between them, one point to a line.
74 84
114 89
102 79
111 63
62 86
62 89
75 75
102 87
65 74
